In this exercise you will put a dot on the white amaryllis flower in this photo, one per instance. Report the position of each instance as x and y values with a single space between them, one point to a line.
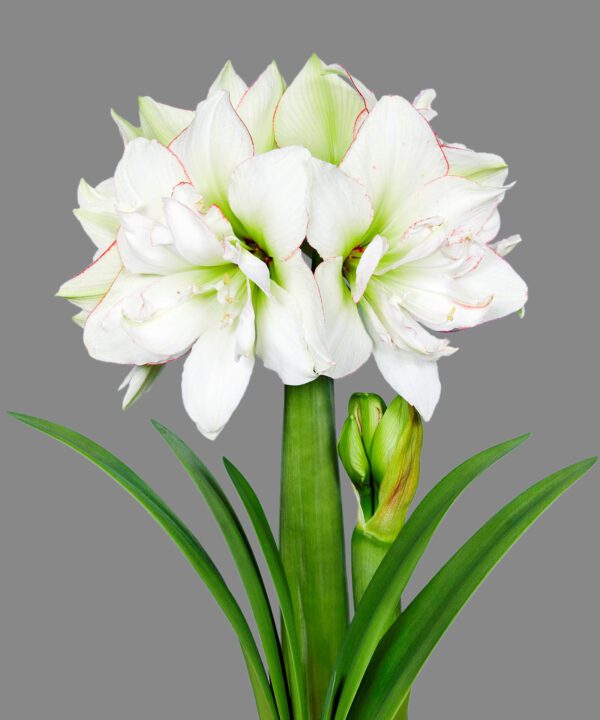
199 252
404 227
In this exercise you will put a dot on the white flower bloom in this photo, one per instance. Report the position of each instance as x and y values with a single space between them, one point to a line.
403 226
205 258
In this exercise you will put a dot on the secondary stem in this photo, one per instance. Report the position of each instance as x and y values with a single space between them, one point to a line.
312 540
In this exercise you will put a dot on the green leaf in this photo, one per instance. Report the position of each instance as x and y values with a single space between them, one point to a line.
273 559
380 602
243 556
182 537
411 639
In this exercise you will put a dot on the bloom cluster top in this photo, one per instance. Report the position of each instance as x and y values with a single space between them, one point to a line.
201 232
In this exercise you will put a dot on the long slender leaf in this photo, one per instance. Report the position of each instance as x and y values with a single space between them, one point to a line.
411 639
273 559
243 557
382 597
182 537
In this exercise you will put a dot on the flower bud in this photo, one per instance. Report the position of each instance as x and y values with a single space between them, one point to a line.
352 453
365 411
368 409
395 459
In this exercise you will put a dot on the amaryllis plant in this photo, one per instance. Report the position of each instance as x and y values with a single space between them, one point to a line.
308 226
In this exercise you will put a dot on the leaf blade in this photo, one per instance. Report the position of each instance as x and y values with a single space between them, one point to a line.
273 559
243 557
180 535
383 594
411 639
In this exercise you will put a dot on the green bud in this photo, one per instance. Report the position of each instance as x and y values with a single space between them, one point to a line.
395 460
352 453
368 409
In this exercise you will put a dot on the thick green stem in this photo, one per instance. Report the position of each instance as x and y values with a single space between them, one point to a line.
367 554
312 539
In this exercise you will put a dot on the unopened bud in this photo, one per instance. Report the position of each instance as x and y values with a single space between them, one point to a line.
352 453
395 460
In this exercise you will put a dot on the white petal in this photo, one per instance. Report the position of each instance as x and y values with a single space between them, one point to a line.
484 168
280 337
367 95
319 111
104 335
193 238
96 212
147 246
464 206
252 267
340 211
172 331
436 298
230 81
490 228
503 247
89 287
423 103
146 174
257 107
270 195
394 155
387 321
127 130
138 381
295 277
213 381
417 380
348 342
212 147
496 277
367 265
245 332
162 122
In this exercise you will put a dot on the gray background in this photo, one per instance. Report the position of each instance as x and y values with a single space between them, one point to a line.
99 616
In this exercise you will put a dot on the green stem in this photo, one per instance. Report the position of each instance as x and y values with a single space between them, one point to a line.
367 554
312 539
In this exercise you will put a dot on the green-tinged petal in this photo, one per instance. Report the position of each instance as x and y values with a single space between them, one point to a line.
97 213
395 154
257 107
89 287
80 318
340 211
162 122
269 194
138 381
157 122
127 130
319 111
483 168
211 148
230 81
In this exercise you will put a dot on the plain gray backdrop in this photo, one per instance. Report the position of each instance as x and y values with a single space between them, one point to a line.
99 615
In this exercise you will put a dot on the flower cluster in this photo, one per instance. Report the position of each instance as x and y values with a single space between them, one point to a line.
202 230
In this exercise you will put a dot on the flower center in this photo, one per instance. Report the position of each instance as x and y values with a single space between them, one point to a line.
257 251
